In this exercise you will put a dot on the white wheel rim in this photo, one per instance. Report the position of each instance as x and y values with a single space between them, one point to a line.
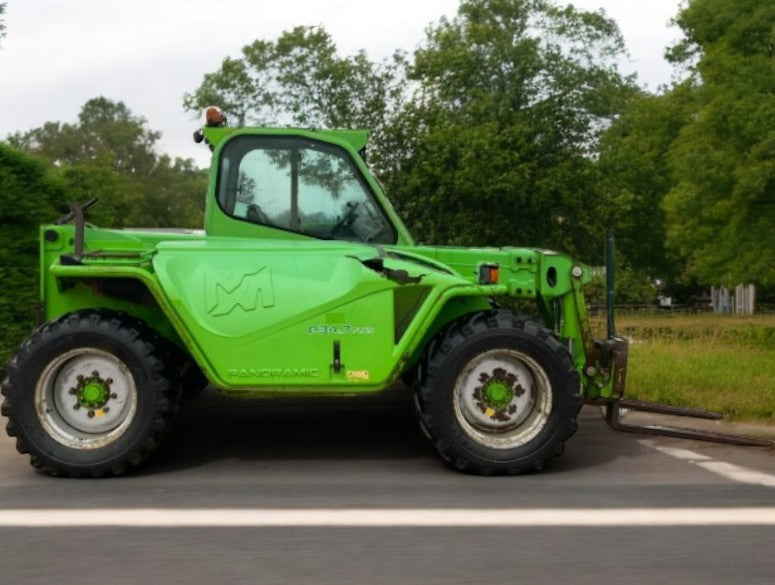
86 398
502 398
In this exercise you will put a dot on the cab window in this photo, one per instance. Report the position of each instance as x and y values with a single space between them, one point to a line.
300 185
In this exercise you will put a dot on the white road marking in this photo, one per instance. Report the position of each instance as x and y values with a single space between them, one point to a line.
356 517
722 468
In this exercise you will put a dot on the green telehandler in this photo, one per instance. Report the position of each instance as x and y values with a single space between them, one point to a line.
303 282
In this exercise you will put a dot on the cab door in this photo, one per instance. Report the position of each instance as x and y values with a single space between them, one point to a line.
287 311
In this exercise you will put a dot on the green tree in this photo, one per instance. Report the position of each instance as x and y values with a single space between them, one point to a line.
499 144
106 135
637 174
300 79
721 209
110 153
30 195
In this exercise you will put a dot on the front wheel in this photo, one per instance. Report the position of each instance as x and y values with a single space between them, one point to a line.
498 394
89 395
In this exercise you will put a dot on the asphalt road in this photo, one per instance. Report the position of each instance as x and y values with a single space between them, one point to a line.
368 454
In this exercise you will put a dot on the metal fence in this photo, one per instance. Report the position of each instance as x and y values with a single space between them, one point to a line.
741 301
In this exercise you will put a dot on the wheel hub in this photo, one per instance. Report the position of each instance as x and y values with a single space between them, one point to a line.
93 392
86 398
502 398
497 395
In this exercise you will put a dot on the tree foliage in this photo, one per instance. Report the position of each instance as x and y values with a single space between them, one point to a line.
636 173
30 195
107 135
110 153
300 79
500 140
721 208
692 169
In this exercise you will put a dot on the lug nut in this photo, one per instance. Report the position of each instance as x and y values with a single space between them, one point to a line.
72 391
79 378
113 395
109 381
96 374
106 409
77 405
91 414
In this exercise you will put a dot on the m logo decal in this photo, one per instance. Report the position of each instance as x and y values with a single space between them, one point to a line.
223 293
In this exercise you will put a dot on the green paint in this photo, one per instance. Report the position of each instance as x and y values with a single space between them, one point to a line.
259 308
498 395
93 393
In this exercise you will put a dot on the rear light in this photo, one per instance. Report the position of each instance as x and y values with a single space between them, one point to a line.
489 273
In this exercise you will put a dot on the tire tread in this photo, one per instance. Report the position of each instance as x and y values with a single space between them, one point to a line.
147 345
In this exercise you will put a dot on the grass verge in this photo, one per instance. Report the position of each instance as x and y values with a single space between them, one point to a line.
717 362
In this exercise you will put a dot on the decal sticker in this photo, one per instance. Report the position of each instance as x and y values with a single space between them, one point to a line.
225 292
273 372
339 330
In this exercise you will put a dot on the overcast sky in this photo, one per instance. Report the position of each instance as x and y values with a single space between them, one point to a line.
147 53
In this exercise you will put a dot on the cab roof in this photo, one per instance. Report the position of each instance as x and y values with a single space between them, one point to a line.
356 139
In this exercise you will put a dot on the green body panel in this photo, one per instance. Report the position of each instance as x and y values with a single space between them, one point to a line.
263 310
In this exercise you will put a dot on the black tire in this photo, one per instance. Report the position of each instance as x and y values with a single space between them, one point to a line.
498 394
125 418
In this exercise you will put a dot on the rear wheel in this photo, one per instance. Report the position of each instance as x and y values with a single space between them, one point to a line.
498 394
89 395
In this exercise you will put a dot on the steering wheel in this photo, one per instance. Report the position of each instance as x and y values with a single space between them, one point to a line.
347 219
